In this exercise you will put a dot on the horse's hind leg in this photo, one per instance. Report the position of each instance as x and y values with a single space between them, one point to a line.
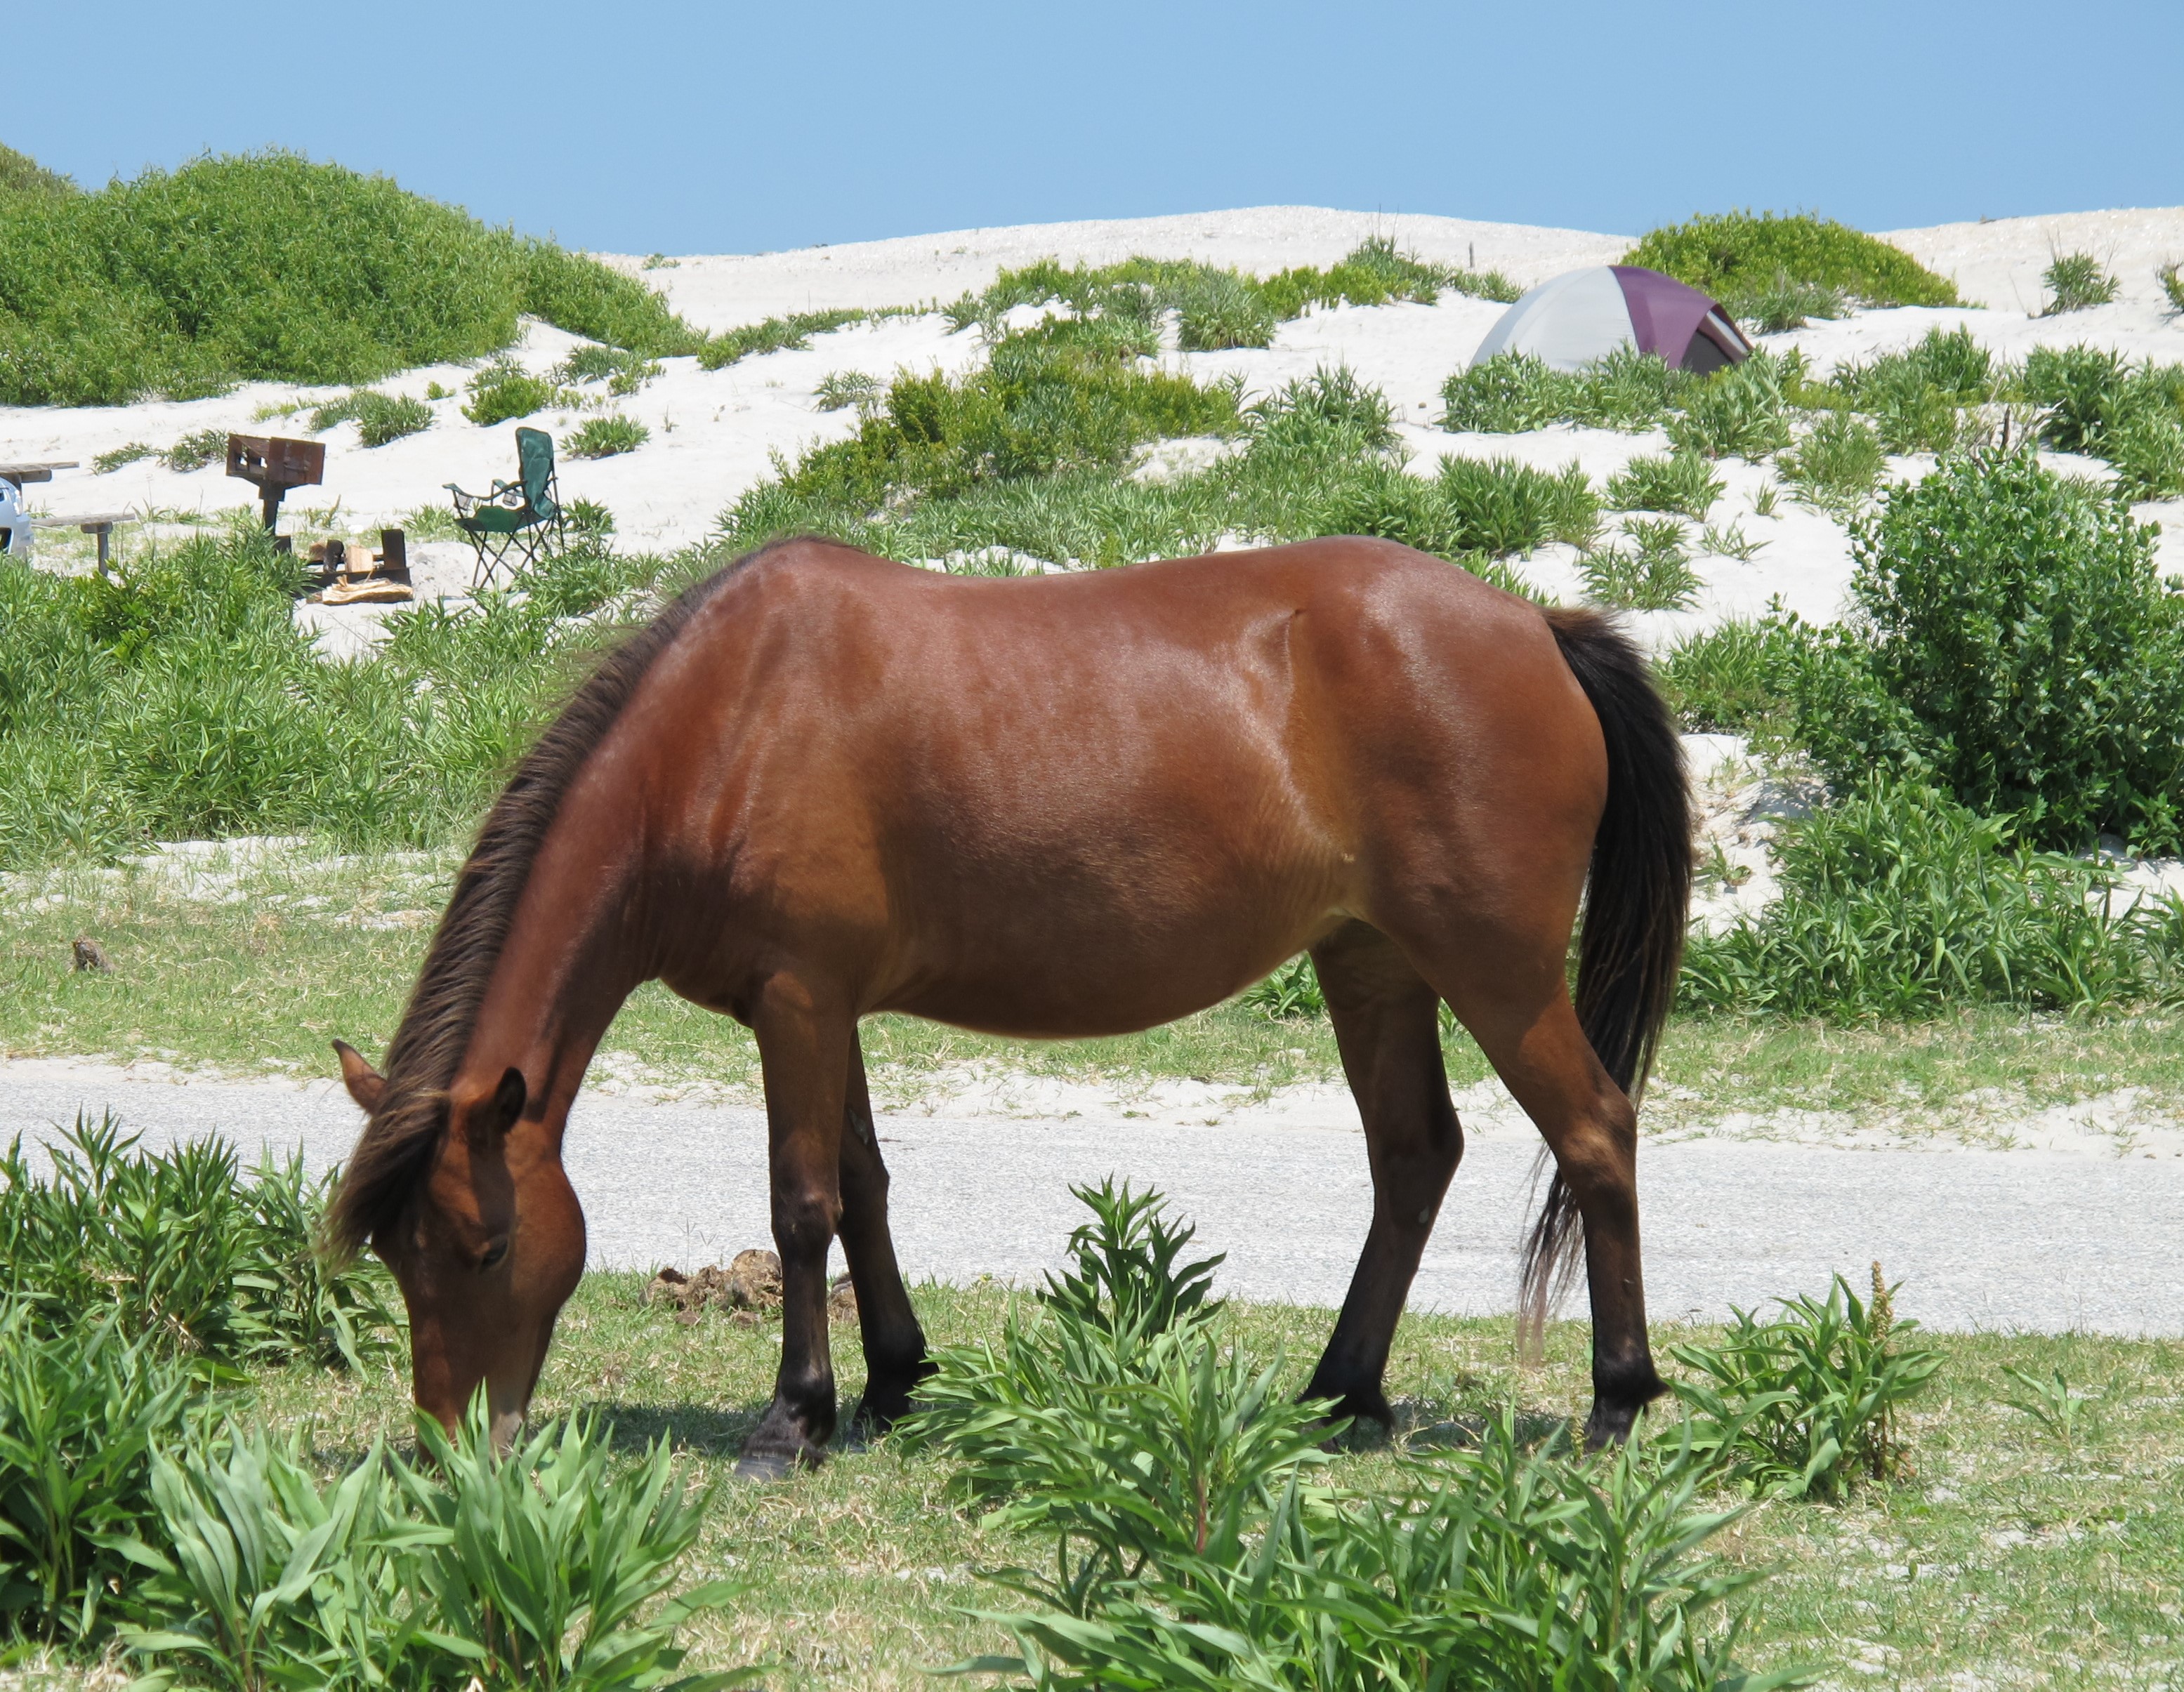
895 1345
1387 1027
1544 1058
805 1042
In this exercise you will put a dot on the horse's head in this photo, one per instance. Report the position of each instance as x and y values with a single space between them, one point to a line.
486 1248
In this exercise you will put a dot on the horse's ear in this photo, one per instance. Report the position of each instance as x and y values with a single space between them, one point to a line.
365 1084
508 1101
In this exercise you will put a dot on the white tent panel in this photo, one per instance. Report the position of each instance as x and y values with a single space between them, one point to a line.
1565 323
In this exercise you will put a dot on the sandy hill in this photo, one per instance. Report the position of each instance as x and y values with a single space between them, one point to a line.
715 433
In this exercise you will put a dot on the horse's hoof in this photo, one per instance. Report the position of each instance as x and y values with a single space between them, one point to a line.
760 1467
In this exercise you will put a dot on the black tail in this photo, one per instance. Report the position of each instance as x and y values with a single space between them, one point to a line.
1637 902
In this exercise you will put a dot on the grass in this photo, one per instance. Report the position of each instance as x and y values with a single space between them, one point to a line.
502 390
270 267
1837 465
316 949
20 174
2172 278
379 418
1653 574
1679 483
1216 308
604 437
2001 1550
2076 281
1739 256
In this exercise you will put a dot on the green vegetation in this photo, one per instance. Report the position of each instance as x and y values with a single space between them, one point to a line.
1807 1404
2172 278
2076 281
174 699
1897 901
1108 1458
604 437
20 174
1513 392
1742 411
1654 574
180 1250
792 333
1195 1540
1837 465
2013 640
503 390
2094 401
1739 256
182 283
379 417
1727 679
196 449
1680 484
1217 309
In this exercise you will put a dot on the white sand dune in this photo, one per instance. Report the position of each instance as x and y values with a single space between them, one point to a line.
715 434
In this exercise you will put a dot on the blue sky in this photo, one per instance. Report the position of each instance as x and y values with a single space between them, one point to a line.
684 127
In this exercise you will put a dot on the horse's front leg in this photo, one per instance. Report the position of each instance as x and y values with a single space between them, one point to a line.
895 1345
804 1041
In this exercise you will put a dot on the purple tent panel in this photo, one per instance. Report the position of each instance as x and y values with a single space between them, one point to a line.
1666 315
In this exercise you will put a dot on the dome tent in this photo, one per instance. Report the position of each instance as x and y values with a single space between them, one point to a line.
1572 320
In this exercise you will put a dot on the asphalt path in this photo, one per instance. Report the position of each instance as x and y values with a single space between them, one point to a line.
1993 1240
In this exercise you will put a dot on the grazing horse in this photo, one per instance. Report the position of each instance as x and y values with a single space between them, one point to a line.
820 785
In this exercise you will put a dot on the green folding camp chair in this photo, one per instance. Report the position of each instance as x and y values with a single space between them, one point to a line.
521 517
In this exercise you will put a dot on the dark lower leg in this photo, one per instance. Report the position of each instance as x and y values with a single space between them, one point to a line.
805 1050
1592 1132
895 1345
1387 1027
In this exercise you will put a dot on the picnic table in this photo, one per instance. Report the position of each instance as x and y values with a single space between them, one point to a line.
98 523
44 472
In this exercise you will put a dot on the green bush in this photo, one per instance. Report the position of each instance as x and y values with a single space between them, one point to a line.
379 417
182 1250
1785 303
515 1573
1048 400
1291 991
1897 902
503 389
1737 255
2172 278
1510 394
175 699
2094 401
269 267
604 437
1803 1405
1503 507
1741 411
1196 1544
20 174
1654 574
2013 638
196 449
1727 679
1679 483
83 1411
792 333
2075 282
1837 465
1915 397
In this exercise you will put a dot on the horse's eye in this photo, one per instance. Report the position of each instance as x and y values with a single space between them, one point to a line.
493 1254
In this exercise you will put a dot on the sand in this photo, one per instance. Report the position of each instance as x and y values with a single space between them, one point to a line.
715 434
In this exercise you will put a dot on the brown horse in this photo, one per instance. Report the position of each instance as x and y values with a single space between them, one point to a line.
820 785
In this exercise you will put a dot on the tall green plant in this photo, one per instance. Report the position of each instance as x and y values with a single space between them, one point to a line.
1803 1405
542 1568
82 1413
2013 636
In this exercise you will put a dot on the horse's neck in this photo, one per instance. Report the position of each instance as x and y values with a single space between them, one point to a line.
575 950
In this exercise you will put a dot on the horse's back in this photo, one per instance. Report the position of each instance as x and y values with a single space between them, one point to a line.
1172 774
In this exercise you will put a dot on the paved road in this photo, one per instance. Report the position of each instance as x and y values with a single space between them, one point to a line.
2018 1239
